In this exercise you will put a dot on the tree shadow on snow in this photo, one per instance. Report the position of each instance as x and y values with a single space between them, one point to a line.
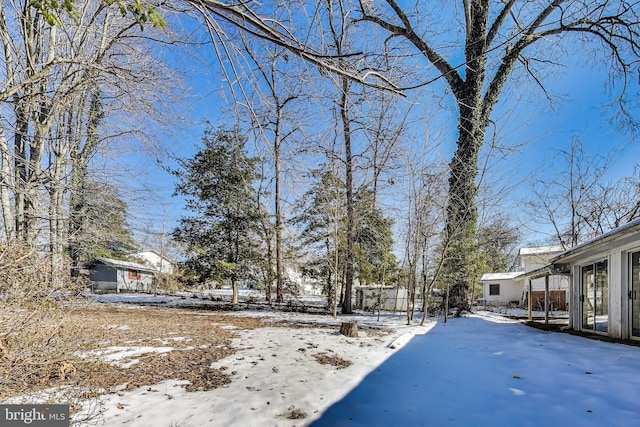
470 372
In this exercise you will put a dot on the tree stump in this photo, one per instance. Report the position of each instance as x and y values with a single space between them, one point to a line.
349 329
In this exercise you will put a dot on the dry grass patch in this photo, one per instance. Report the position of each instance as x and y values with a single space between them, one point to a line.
337 361
197 340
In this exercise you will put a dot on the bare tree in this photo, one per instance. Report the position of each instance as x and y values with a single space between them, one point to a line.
424 250
563 201
249 18
611 204
500 37
62 81
275 111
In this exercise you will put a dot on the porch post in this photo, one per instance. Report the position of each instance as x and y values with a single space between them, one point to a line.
529 304
570 300
546 299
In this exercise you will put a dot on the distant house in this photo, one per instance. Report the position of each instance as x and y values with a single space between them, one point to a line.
505 288
156 260
605 283
534 258
501 289
111 275
302 283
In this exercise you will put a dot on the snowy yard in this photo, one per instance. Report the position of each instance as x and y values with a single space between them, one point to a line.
284 375
474 372
272 368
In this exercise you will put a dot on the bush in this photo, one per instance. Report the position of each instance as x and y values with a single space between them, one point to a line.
32 315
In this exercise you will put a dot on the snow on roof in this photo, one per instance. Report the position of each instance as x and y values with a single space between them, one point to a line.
501 276
153 251
539 250
123 264
619 231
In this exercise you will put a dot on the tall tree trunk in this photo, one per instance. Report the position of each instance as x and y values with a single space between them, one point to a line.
20 164
6 187
462 212
278 219
80 158
462 217
350 261
58 224
269 278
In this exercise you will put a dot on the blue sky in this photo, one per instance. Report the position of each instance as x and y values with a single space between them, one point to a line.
522 118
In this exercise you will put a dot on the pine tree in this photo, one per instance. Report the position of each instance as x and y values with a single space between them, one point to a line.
220 237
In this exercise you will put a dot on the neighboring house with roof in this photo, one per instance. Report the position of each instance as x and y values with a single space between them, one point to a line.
534 258
501 289
155 259
605 283
508 288
111 275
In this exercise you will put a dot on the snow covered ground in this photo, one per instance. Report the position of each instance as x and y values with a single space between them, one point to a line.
280 376
474 372
477 370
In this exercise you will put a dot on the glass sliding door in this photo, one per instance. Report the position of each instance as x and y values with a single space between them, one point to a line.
602 297
595 296
634 293
587 297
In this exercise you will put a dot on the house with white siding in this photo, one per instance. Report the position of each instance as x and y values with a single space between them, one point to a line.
502 289
155 259
604 276
515 287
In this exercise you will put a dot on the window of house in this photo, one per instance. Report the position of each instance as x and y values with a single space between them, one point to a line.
494 289
135 275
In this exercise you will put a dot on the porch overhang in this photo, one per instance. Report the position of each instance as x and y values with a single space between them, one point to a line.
554 269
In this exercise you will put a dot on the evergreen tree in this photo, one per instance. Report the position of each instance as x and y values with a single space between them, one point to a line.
218 183
374 241
323 221
322 218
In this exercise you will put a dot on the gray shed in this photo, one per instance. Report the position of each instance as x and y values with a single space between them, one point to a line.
111 275
389 298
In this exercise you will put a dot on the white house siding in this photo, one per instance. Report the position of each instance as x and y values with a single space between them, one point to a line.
125 284
510 290
615 247
537 257
157 261
556 283
511 287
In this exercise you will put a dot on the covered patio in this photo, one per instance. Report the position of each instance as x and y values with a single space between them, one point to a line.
546 273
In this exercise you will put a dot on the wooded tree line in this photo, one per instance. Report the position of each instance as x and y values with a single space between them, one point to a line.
368 60
497 45
74 90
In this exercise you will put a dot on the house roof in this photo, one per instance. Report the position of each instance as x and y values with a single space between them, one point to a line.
116 263
540 250
501 276
606 238
164 257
